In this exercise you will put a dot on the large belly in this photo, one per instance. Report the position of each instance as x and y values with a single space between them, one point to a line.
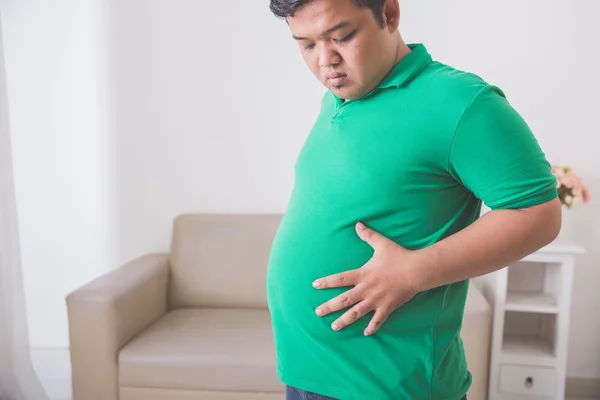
306 249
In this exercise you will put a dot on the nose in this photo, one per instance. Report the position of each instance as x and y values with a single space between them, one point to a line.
328 57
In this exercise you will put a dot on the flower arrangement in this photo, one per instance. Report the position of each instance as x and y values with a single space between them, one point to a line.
571 190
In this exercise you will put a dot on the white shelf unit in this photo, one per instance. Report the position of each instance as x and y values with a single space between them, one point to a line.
532 303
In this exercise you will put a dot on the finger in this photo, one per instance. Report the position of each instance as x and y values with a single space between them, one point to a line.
359 310
375 239
378 319
343 279
340 302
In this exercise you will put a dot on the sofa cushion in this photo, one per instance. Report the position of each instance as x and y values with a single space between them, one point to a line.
220 260
203 349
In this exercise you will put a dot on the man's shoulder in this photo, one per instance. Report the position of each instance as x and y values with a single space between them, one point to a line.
447 88
450 77
442 78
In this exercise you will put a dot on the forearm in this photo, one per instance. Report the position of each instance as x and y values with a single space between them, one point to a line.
495 240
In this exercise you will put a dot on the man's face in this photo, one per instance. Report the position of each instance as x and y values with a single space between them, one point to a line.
344 46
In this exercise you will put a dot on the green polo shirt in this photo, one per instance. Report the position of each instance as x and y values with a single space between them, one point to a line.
413 159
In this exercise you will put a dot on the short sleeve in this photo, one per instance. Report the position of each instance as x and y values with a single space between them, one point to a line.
495 155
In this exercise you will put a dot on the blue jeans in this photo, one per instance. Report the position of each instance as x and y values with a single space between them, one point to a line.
297 394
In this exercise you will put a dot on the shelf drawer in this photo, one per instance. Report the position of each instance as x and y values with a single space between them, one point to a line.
523 379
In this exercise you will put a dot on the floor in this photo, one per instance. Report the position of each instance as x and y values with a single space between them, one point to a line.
54 370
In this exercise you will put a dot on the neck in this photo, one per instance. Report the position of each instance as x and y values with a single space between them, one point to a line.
402 50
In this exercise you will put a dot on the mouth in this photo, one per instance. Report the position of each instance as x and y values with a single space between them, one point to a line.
336 79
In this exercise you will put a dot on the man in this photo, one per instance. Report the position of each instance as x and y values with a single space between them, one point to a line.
369 270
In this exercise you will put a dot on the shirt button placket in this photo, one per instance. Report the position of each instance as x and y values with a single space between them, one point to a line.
337 115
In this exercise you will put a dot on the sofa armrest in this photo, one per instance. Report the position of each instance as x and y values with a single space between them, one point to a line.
108 312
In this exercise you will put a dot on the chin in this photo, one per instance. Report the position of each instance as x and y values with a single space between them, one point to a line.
345 93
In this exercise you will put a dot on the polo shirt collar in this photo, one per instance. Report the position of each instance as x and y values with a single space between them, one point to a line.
407 68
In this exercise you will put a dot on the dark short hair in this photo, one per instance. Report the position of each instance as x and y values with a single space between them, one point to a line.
287 8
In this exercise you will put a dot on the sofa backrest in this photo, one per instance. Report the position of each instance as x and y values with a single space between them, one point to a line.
220 260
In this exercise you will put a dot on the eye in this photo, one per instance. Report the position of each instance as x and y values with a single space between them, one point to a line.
345 38
309 47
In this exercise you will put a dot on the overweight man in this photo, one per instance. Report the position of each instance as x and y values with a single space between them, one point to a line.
369 270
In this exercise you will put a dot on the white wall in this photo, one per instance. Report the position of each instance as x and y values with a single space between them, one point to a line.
210 112
209 106
56 76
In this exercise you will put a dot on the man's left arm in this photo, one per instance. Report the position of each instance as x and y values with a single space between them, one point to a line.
394 275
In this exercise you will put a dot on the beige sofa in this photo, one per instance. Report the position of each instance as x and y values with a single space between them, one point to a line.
193 324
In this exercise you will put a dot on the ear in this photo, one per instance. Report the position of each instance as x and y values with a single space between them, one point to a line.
391 15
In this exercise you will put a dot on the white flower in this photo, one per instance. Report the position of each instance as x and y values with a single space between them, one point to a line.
559 172
577 196
569 200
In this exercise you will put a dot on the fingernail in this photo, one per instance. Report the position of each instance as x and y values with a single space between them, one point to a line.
367 333
335 327
316 284
360 225
319 312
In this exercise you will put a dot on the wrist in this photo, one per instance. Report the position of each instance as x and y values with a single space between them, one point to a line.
418 271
